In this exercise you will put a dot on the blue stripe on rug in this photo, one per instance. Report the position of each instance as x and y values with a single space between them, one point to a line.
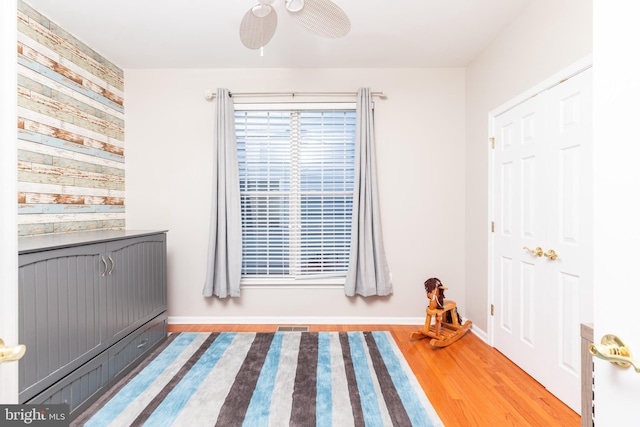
323 386
169 409
142 381
368 395
413 406
258 411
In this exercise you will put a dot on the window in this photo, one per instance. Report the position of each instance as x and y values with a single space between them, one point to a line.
296 190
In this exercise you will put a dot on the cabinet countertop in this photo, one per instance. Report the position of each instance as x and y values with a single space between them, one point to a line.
45 242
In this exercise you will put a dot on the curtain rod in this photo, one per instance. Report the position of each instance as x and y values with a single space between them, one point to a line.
211 95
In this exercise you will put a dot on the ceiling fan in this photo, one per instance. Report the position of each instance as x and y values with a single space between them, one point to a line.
322 17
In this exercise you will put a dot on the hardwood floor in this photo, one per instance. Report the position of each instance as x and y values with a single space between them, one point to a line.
469 383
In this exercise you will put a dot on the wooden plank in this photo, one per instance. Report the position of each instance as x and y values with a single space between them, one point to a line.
29 156
66 126
74 226
86 146
67 50
89 79
26 12
106 164
104 200
33 229
68 172
31 187
43 198
67 217
67 113
56 208
33 61
71 39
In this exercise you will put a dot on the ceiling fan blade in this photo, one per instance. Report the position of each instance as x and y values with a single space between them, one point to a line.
324 18
255 31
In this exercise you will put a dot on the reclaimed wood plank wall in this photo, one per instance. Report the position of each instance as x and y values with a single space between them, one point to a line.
70 132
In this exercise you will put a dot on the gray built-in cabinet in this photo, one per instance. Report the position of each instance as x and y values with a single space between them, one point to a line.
92 305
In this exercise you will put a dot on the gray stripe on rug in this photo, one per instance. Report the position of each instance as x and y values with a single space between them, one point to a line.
235 405
281 400
342 413
354 393
144 415
303 410
204 405
396 409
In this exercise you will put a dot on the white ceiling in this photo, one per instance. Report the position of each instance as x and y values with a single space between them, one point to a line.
205 33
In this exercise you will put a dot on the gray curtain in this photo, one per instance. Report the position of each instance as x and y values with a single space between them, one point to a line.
224 262
368 270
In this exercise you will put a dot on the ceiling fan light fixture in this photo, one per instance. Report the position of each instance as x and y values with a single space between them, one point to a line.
261 10
294 5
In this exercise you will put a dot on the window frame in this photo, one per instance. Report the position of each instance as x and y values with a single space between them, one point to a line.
320 281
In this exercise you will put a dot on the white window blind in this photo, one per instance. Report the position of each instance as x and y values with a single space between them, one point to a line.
296 186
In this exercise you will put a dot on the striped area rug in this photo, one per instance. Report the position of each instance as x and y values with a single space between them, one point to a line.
270 379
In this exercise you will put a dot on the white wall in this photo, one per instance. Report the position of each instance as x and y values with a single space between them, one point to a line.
8 191
421 169
548 36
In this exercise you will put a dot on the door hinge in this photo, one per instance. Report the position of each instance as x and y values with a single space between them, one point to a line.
492 309
493 227
493 142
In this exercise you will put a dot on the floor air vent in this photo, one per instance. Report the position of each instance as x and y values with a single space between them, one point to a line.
293 329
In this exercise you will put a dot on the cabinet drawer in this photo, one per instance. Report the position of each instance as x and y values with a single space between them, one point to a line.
80 388
124 354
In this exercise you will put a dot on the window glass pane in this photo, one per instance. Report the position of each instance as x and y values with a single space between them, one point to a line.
327 150
325 233
296 183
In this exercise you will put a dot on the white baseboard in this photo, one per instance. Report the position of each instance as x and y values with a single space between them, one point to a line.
480 334
268 320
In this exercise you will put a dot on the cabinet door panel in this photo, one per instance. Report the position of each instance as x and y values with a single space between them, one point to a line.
135 283
60 320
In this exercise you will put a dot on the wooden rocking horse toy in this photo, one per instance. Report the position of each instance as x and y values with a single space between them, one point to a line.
447 327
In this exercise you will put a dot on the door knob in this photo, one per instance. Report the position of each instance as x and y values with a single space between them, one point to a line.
614 350
537 251
551 254
10 354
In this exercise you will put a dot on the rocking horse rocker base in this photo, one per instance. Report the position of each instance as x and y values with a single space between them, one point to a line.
446 329
443 332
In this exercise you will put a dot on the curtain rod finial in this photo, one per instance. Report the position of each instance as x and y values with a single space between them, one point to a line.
209 95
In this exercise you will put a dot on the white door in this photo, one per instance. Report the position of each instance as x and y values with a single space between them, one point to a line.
616 204
542 262
519 223
8 204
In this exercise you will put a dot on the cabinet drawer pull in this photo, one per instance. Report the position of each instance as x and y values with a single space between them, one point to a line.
143 343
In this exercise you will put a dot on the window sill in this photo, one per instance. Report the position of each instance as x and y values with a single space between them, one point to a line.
289 283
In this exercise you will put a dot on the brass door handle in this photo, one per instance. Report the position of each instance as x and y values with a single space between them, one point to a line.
10 354
537 251
614 350
551 254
